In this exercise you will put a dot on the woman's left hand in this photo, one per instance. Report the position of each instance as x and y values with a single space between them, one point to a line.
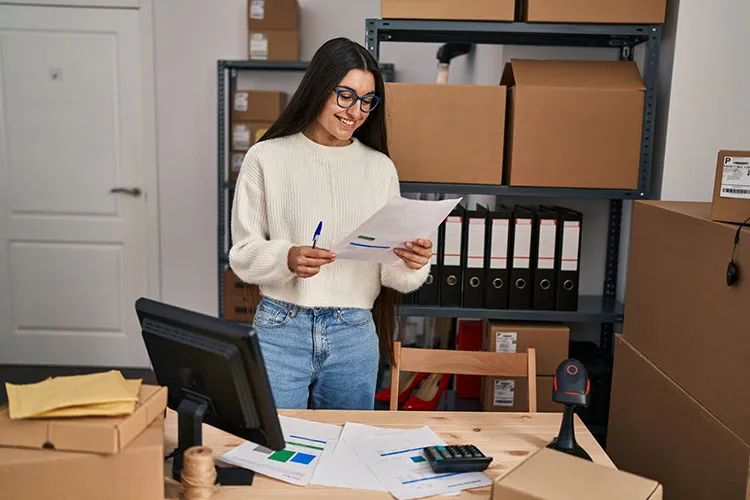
418 254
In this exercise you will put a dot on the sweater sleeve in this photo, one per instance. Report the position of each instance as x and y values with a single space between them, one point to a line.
254 257
397 275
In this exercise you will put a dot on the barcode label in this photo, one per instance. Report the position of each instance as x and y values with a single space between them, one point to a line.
257 9
506 341
504 393
259 46
735 178
240 101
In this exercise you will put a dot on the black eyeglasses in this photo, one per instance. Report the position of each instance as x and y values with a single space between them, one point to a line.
347 98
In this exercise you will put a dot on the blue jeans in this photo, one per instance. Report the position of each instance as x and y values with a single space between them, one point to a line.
320 358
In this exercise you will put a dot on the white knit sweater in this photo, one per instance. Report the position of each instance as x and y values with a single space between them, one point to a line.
285 187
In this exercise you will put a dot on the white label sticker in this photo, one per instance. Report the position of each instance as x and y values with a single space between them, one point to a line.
571 240
499 251
240 101
257 9
453 241
735 179
475 257
506 341
237 159
504 392
258 46
522 244
240 136
547 235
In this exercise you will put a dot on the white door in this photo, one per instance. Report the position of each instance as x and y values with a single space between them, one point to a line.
73 254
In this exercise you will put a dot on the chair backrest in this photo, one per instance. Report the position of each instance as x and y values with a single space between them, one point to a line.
493 364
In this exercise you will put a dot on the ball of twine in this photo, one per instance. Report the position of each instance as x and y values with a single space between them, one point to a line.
198 473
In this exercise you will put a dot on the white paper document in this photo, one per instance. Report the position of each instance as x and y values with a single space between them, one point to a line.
397 460
307 443
399 221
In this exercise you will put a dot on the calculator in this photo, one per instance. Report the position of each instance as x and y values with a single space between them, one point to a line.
465 458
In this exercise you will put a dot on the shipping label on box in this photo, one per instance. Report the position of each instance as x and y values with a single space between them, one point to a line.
504 393
735 180
506 341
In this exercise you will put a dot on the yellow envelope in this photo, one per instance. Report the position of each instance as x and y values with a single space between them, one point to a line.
62 392
115 409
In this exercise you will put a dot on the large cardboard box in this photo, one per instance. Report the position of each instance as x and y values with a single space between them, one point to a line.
466 10
105 435
136 472
273 15
574 123
257 105
436 136
273 45
658 430
731 202
680 312
566 477
595 11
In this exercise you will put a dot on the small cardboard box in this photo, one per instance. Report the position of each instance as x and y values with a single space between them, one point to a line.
244 135
595 11
512 395
436 137
731 202
105 435
273 15
552 475
136 472
273 45
466 10
257 105
574 124
658 430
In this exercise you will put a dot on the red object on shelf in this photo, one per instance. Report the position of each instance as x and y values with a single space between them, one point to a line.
469 338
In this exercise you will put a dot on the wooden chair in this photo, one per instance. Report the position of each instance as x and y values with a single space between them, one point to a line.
492 364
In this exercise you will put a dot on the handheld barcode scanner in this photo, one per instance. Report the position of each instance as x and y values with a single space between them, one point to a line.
571 388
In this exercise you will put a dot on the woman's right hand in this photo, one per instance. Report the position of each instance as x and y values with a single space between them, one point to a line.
306 262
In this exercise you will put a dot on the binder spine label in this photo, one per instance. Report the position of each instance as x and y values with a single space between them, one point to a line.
499 250
475 257
453 241
571 241
547 234
504 392
522 244
506 341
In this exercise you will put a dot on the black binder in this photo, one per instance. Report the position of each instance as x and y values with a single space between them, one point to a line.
453 249
429 293
544 265
475 224
497 257
568 258
521 288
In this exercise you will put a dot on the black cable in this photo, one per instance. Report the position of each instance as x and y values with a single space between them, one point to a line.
737 237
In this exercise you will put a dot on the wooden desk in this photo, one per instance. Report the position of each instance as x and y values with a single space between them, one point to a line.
507 437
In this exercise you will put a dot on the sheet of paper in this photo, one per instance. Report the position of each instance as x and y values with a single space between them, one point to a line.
399 221
307 443
397 460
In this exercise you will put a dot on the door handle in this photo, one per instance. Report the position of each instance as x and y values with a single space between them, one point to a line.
135 192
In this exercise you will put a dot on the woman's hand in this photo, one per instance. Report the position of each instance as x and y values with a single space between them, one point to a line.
418 254
306 262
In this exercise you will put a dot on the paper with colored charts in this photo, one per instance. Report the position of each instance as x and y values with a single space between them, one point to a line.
397 460
399 221
307 443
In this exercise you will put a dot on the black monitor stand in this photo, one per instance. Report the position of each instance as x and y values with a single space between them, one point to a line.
190 433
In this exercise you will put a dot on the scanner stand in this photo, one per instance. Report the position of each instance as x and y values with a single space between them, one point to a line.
190 433
566 439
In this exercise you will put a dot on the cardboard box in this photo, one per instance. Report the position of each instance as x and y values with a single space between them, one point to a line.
512 395
273 45
244 135
550 340
91 434
436 137
272 15
574 124
658 430
257 105
731 202
595 11
680 312
136 472
466 10
567 477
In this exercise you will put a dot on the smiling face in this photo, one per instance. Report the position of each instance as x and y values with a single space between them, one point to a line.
336 124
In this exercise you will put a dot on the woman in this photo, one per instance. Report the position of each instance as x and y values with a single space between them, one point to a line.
325 159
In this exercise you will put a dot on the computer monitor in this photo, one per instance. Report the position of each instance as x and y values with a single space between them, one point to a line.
214 372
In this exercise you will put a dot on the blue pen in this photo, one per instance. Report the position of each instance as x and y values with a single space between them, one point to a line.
317 233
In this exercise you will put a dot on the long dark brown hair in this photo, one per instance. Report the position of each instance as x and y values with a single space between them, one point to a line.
330 64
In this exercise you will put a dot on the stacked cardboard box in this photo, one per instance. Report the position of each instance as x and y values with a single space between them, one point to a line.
680 411
273 30
594 11
467 10
731 202
551 344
